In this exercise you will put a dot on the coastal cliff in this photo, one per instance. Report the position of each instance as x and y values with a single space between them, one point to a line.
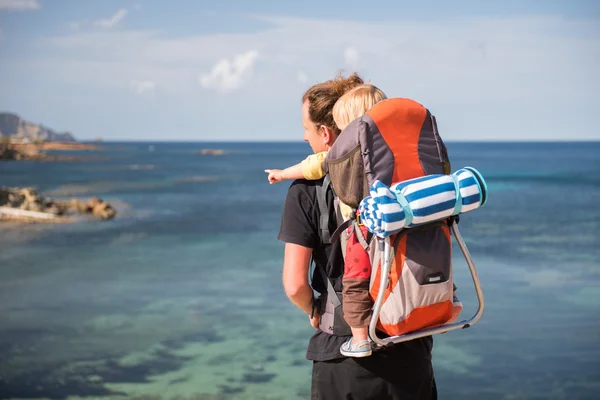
23 140
16 128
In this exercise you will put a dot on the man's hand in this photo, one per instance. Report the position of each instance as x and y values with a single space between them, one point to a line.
315 320
315 315
275 175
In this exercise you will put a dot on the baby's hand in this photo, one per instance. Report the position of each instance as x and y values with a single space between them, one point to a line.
275 175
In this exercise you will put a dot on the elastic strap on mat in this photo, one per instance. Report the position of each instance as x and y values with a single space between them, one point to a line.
408 214
458 204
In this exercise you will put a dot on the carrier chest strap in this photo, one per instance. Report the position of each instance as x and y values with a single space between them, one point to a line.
364 241
344 225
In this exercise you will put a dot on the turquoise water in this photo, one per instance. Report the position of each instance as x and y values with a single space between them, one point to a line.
181 295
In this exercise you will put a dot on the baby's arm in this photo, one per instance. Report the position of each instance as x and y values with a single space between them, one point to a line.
310 168
277 175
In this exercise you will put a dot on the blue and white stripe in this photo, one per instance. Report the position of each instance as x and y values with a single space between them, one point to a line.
421 200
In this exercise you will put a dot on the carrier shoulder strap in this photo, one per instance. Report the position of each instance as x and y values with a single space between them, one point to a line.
324 209
331 294
441 147
325 235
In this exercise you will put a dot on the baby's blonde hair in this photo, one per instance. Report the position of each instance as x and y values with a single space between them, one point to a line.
355 103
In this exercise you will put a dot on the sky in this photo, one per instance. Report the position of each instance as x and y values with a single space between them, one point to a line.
236 70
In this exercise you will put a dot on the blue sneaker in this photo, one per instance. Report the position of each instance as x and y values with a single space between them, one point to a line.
360 349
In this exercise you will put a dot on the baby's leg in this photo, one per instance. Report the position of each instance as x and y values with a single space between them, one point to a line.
360 334
356 299
357 302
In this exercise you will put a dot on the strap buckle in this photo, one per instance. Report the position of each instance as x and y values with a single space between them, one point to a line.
358 219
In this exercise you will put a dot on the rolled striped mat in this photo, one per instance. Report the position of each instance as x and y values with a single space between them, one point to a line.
418 201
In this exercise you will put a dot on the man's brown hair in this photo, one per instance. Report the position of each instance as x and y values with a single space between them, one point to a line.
323 96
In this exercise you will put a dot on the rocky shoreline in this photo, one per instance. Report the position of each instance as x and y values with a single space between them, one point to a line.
25 204
37 151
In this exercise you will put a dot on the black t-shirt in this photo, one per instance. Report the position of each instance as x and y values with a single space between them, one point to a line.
300 225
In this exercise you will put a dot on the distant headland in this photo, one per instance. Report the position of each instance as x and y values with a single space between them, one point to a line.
24 140
15 127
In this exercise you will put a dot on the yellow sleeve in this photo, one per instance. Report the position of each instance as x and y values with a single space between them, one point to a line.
312 166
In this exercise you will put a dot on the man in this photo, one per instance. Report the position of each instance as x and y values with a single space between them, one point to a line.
403 371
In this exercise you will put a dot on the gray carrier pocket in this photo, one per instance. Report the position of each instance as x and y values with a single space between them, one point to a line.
332 316
428 255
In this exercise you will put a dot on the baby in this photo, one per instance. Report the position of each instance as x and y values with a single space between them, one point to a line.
357 268
353 104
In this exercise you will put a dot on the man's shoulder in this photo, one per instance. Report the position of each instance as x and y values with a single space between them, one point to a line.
305 186
307 182
299 221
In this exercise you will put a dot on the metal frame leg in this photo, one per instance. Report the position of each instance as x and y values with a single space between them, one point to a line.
385 272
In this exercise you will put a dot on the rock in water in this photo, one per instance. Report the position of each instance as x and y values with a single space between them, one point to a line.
28 199
104 211
211 152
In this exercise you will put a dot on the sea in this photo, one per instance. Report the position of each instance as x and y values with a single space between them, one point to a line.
180 296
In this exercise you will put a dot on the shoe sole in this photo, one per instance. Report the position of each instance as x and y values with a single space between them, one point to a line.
356 355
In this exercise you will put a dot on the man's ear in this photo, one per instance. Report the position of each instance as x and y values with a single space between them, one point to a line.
327 135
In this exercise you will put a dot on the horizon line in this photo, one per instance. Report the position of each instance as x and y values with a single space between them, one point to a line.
587 140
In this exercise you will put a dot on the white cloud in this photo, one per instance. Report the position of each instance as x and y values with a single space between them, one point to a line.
113 20
137 6
19 4
351 57
142 87
484 78
229 75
